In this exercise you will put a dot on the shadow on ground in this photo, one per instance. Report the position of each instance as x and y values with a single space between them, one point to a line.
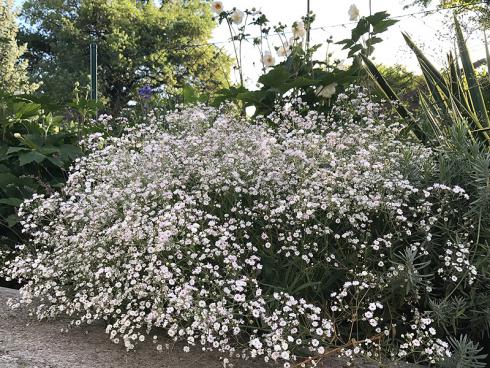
27 343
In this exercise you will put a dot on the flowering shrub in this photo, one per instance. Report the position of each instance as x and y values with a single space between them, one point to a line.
279 240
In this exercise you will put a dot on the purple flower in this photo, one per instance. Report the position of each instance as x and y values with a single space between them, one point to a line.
145 92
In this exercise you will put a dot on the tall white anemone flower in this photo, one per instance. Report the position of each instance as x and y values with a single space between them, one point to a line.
354 12
299 30
217 7
237 16
268 59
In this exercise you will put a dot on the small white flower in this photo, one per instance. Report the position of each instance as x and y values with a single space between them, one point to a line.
17 135
237 16
326 91
267 59
353 13
217 7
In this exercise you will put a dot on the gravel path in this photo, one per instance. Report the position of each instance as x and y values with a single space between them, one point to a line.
27 343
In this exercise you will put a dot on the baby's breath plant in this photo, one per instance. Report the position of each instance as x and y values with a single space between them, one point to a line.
278 240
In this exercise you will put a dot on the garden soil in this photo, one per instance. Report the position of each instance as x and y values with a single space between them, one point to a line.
27 343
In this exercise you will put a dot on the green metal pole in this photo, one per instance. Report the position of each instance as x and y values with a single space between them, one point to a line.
487 53
308 26
93 71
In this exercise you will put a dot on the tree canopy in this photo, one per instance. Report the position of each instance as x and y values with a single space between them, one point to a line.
139 44
13 70
479 7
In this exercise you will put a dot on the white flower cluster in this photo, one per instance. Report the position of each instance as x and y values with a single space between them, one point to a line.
421 340
273 240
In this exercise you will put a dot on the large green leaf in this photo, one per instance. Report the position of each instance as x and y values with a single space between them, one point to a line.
56 161
299 82
346 42
382 26
12 220
276 77
361 29
29 157
16 149
7 178
257 97
377 17
14 202
354 49
26 110
69 152
228 94
49 150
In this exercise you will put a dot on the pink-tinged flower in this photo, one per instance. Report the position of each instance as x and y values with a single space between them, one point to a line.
237 16
268 60
284 50
217 7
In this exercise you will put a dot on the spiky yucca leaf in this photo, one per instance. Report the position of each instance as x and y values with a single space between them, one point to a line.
473 86
429 70
441 89
386 89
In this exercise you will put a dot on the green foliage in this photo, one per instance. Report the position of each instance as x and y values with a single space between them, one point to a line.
13 71
367 26
138 44
34 157
466 354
